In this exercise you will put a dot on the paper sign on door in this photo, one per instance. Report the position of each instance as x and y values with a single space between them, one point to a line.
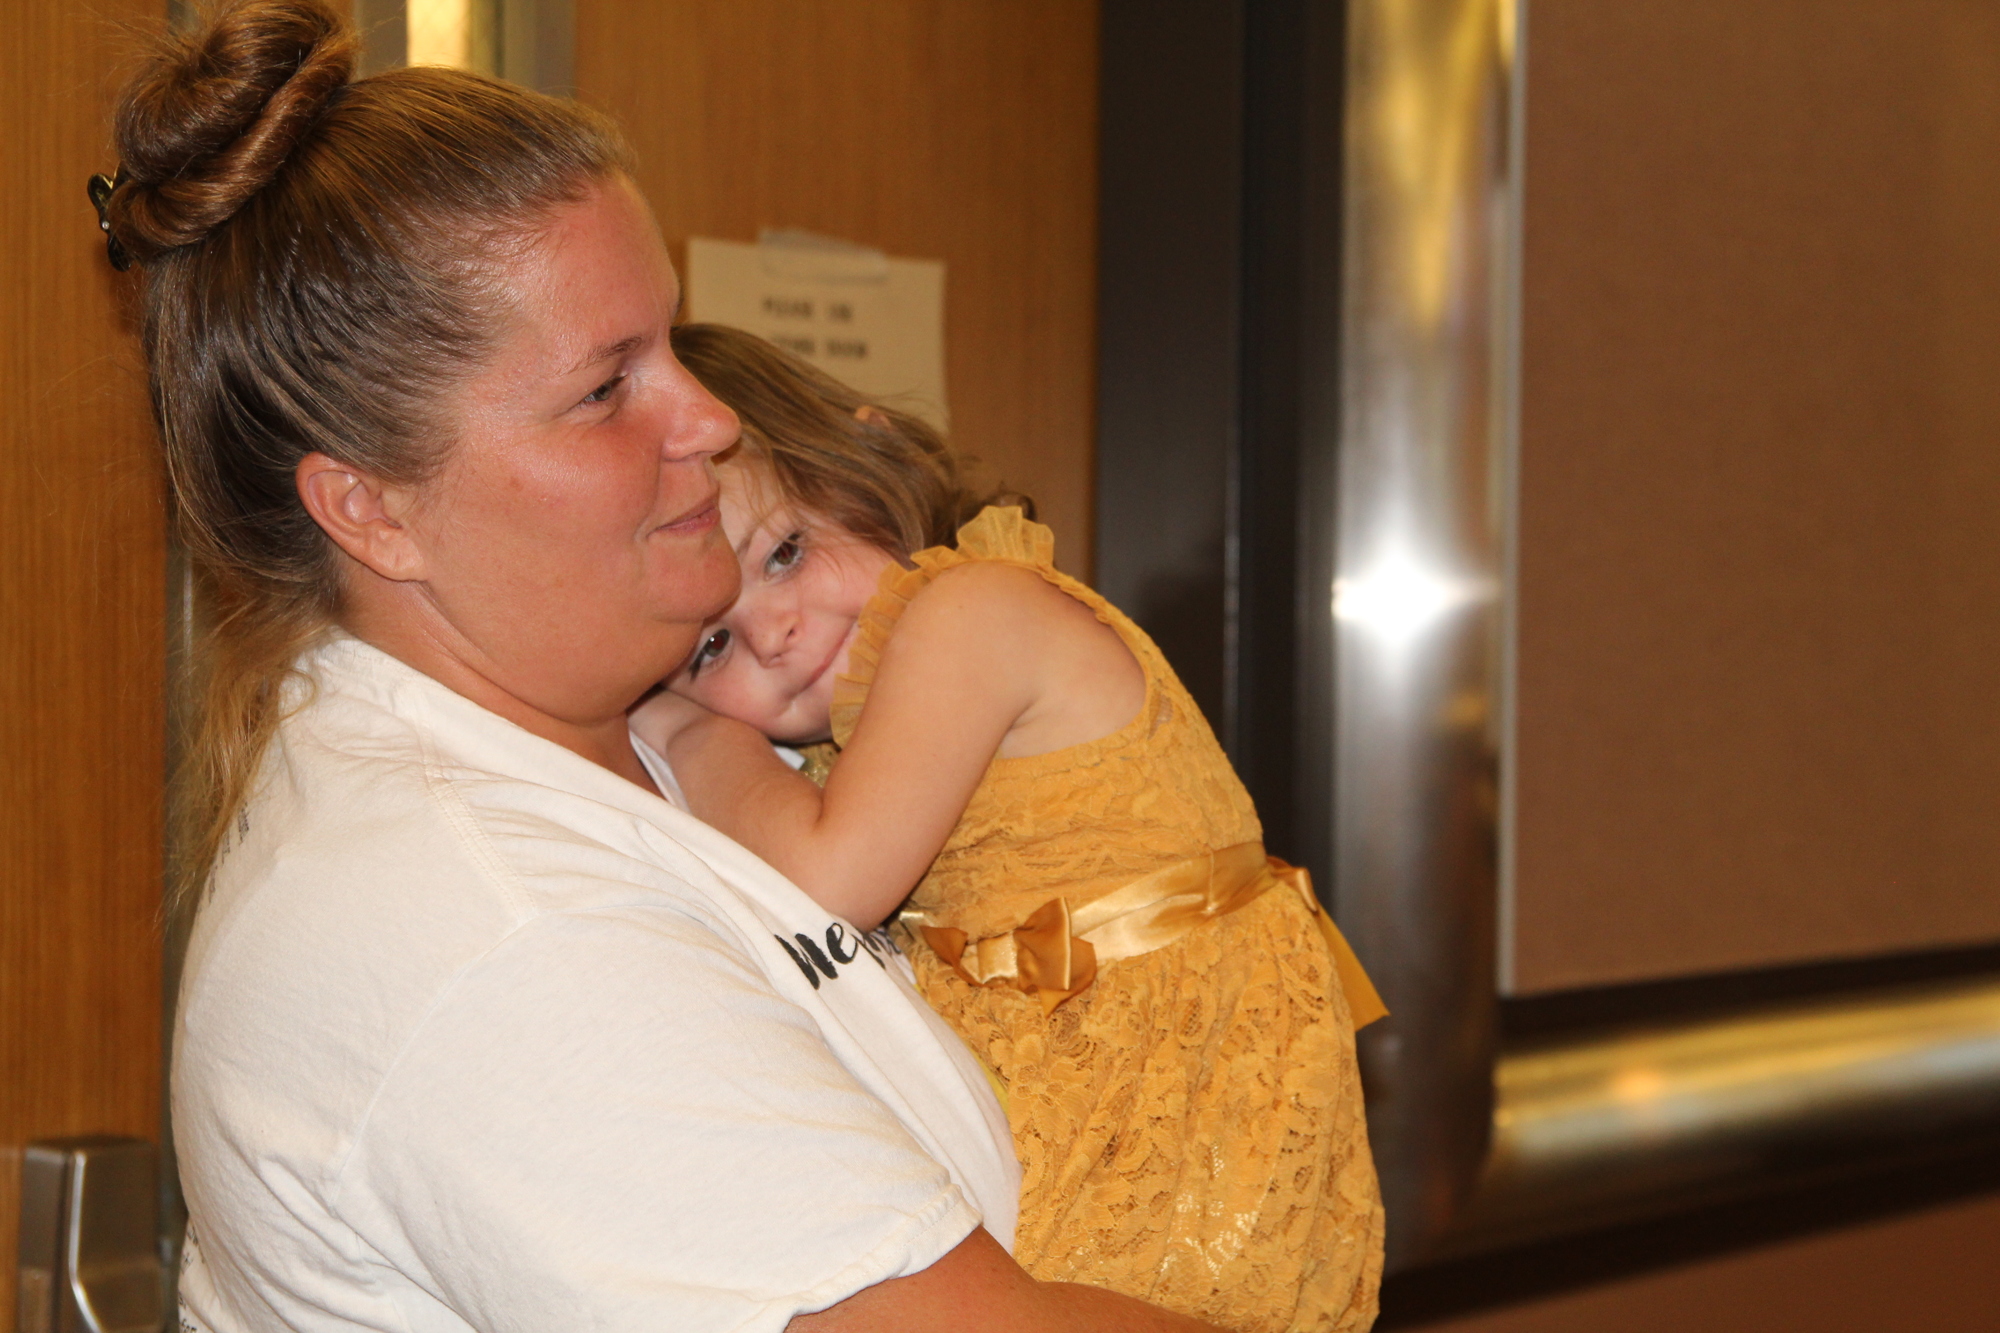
870 321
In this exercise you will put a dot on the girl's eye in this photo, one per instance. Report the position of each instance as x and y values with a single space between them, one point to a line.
711 649
785 554
602 393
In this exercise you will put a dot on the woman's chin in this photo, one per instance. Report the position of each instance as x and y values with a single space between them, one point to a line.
712 574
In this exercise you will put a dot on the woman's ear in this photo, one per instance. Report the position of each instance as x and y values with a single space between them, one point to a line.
869 415
362 514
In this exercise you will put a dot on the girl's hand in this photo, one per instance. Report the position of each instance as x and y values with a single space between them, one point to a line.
661 719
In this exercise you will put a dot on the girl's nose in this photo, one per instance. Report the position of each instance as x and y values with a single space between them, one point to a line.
769 628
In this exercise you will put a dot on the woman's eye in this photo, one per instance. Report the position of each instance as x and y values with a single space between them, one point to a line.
602 393
785 554
711 648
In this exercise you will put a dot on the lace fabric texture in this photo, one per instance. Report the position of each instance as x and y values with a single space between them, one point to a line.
1190 1128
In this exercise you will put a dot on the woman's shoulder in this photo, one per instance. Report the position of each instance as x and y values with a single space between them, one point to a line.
384 766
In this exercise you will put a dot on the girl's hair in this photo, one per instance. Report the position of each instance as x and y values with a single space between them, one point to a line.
318 261
885 476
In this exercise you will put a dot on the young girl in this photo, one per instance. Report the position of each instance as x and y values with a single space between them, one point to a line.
1084 892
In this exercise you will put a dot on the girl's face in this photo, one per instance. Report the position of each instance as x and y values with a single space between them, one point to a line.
770 660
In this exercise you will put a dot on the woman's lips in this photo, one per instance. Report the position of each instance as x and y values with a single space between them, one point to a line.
700 518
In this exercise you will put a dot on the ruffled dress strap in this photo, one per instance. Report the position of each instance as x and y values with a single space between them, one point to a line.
997 533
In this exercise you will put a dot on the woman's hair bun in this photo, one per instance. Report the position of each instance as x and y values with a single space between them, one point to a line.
214 115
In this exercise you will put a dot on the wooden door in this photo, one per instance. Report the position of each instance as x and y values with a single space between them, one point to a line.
82 570
962 130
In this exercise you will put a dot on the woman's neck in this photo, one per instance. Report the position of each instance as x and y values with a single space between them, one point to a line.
589 721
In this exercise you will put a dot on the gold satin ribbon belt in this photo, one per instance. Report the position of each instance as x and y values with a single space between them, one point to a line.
1056 952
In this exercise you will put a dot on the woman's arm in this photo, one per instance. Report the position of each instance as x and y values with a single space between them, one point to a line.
977 654
979 1286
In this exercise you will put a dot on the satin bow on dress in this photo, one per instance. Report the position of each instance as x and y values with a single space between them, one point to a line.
1056 952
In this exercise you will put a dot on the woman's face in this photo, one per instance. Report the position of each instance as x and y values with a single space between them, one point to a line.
572 539
772 657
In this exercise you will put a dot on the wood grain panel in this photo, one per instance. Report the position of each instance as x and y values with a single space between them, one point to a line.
81 577
956 129
1931 1272
1760 562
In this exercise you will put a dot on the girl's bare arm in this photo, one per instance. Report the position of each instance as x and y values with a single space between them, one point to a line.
976 656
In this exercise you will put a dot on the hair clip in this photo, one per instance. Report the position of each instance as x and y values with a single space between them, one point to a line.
100 189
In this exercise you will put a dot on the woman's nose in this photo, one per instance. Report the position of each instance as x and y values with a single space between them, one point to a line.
706 425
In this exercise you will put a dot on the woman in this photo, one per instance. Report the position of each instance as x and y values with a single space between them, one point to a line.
479 1030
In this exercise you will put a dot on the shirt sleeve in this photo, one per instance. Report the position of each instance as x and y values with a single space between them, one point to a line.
612 1121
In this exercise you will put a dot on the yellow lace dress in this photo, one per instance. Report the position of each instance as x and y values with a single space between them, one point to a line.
1189 1122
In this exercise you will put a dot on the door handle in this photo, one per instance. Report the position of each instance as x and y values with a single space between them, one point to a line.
90 1237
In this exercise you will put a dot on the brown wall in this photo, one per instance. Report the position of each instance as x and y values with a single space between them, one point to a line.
1760 527
81 621
1932 1272
956 129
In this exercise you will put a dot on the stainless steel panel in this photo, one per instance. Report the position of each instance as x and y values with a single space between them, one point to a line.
532 42
1426 383
89 1247
1594 1131
1481 1148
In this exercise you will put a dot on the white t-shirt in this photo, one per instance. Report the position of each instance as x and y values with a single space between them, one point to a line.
477 1035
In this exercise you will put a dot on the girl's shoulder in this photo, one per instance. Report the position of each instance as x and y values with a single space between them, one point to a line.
1004 532
994 591
997 584
1000 561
